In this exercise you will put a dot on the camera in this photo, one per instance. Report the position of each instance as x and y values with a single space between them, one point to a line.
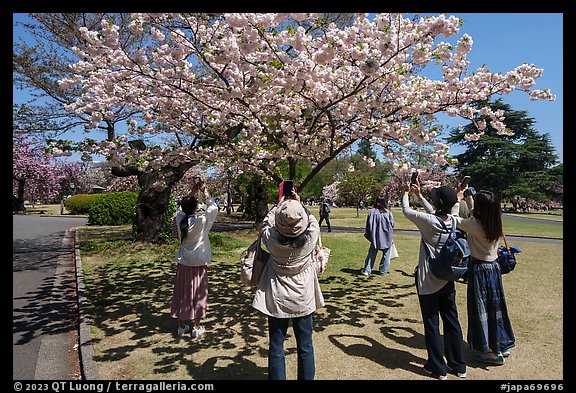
470 191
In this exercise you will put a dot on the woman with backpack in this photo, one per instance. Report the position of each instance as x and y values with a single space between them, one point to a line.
489 328
437 297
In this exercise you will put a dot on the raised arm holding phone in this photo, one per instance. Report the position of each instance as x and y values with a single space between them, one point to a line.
288 290
190 293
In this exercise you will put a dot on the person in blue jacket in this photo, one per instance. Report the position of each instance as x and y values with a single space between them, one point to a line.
379 230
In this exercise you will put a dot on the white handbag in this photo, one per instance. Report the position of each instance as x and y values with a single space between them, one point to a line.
393 251
320 255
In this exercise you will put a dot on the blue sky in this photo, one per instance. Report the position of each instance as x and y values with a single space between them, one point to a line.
503 41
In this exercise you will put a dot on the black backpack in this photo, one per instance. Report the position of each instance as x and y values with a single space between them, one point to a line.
451 263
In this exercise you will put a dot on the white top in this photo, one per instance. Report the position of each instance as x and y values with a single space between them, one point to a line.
195 250
480 247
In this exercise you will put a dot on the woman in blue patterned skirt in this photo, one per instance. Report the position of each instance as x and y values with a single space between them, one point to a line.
489 328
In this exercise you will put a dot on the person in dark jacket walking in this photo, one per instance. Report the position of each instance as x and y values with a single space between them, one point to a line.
325 214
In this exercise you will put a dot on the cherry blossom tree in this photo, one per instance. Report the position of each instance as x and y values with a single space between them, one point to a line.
262 89
34 177
41 62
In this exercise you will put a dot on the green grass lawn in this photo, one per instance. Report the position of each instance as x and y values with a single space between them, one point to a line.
369 323
347 217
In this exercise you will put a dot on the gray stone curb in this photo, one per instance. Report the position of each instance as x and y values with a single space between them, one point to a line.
87 364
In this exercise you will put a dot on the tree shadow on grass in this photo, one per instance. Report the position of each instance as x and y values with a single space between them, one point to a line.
134 298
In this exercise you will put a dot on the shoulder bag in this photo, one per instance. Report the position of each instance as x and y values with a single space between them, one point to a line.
252 263
320 255
506 258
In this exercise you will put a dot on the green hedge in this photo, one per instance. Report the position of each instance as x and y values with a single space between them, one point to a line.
116 208
113 208
80 203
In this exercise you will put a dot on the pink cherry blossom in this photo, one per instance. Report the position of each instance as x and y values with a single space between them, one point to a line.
297 92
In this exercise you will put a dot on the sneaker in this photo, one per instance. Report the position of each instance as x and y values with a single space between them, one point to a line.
432 374
496 360
198 332
184 330
506 353
459 374
364 273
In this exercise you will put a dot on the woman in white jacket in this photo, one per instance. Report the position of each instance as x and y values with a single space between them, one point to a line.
288 289
190 295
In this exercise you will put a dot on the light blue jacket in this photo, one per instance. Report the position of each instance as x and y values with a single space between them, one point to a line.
379 228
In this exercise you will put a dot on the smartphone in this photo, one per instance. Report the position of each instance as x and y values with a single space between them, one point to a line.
414 177
197 179
287 188
464 181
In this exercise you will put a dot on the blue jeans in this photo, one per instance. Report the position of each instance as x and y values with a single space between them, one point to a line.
371 259
277 329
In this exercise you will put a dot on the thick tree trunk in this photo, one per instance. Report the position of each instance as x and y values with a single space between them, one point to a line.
150 208
156 186
155 190
256 202
18 201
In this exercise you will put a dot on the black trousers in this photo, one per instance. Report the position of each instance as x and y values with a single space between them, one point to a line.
327 218
442 304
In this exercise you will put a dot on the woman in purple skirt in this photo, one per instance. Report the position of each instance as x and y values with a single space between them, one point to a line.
190 296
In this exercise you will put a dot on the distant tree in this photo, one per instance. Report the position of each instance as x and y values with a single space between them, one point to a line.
34 177
513 163
365 149
357 187
554 184
81 177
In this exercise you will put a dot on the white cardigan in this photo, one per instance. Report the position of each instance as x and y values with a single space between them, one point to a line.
195 250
